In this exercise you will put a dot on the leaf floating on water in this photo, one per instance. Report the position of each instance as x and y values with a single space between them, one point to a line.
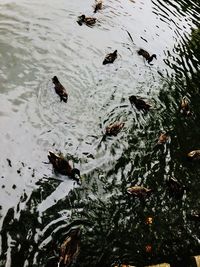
148 248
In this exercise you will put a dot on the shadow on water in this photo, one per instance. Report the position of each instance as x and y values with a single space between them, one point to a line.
114 224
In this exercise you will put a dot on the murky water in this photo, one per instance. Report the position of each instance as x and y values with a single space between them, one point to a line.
40 39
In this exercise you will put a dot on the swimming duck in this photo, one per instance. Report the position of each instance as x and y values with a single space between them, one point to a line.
163 138
146 55
89 21
70 248
114 129
139 103
98 5
194 155
62 166
60 90
139 191
110 58
184 107
175 187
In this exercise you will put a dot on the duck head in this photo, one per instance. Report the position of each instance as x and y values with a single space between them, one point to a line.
152 57
55 80
81 20
132 98
75 174
82 17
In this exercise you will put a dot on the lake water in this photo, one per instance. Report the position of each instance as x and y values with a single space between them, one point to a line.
40 39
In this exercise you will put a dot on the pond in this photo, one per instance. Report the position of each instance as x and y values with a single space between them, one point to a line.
38 207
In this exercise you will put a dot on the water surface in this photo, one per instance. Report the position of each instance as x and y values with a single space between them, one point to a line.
38 207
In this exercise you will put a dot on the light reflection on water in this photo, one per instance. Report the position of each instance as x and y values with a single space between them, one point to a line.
39 40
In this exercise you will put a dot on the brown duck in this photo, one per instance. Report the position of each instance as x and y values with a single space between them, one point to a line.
114 129
139 103
89 21
110 58
184 107
146 55
62 166
98 5
60 90
139 191
194 155
70 248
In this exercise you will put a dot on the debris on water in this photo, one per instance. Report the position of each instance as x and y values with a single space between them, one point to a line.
23 165
9 162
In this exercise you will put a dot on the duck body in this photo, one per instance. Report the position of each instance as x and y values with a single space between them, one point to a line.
194 155
114 129
139 191
60 90
184 107
146 55
110 58
62 166
89 21
70 248
98 5
139 103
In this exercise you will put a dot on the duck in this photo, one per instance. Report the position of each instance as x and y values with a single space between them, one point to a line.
146 55
184 107
138 191
60 90
114 129
110 58
70 248
62 166
89 21
163 138
176 189
139 103
194 155
98 5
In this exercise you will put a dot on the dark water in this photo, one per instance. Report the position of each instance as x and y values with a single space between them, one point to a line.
40 39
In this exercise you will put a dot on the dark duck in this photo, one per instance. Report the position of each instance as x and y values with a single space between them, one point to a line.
62 166
70 248
139 103
146 55
89 21
60 90
110 58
